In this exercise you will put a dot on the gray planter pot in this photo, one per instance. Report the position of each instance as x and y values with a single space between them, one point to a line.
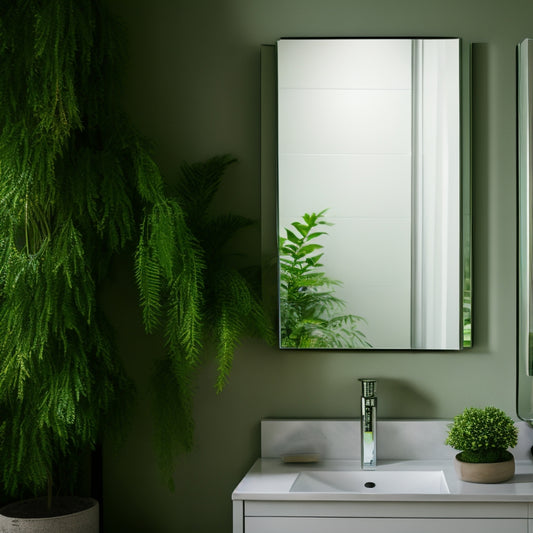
14 518
485 472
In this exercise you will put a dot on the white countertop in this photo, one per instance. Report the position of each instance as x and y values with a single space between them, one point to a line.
271 479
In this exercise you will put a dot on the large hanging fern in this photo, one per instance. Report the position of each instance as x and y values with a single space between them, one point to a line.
227 304
231 306
76 185
65 207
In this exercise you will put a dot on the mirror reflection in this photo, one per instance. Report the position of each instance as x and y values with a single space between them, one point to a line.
370 194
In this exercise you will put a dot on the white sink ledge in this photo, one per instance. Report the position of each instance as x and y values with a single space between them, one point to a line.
271 479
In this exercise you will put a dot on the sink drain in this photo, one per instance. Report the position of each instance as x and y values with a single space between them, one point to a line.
370 484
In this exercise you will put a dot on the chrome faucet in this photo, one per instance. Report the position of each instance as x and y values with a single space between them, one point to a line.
368 424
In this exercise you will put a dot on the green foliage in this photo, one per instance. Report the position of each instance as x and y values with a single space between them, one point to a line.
200 300
308 307
467 299
77 186
65 208
173 403
231 305
482 435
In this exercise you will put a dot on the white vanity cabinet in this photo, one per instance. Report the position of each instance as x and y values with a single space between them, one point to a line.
382 517
269 500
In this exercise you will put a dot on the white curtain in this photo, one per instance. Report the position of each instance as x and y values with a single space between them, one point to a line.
436 191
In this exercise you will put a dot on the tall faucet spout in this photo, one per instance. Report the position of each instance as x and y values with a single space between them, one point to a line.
368 424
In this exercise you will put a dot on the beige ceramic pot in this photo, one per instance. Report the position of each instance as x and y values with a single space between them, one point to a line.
85 520
485 472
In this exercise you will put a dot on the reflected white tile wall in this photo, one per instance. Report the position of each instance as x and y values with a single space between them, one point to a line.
363 185
372 259
332 121
337 64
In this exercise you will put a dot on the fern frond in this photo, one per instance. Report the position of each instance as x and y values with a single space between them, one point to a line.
185 312
164 226
172 401
148 277
149 181
198 184
220 229
55 47
232 303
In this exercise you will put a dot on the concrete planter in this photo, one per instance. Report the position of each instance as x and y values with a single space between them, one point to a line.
85 518
485 472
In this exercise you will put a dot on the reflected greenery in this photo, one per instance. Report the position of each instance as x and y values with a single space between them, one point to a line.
311 315
467 294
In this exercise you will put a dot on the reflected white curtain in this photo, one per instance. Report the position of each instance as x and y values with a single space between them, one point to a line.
436 191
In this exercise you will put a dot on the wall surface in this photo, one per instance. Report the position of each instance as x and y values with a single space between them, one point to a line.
192 86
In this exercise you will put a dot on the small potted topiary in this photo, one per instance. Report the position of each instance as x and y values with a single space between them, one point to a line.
483 437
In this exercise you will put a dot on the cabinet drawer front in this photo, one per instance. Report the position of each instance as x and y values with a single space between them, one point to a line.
383 525
377 509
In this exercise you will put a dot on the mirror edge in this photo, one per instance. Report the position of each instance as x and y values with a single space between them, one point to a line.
268 177
524 109
466 326
268 173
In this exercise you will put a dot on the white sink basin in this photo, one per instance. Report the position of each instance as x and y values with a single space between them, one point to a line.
372 482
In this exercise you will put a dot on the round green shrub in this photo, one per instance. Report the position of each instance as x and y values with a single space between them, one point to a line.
482 435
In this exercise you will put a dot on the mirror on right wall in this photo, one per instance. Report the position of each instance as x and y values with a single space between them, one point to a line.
525 244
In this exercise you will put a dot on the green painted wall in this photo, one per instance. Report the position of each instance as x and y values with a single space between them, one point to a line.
193 87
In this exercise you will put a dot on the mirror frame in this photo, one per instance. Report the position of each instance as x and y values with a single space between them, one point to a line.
524 401
269 237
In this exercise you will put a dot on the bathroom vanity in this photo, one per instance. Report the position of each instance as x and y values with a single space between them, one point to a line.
416 492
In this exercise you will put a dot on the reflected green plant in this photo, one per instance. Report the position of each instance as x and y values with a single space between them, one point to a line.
467 296
310 313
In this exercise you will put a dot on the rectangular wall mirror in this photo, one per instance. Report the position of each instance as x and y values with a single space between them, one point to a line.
373 194
525 246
